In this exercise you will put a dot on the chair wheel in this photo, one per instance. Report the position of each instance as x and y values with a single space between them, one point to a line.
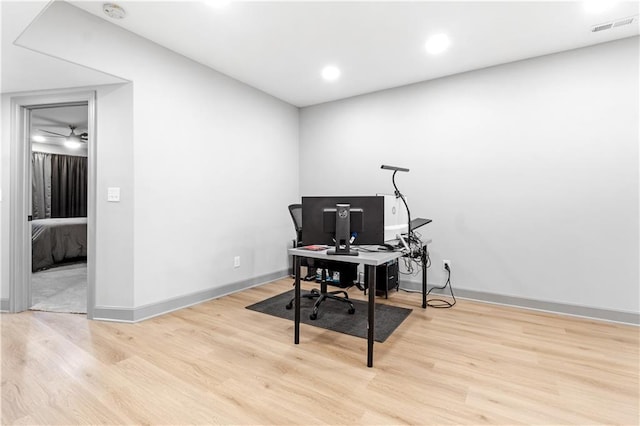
313 316
289 305
352 311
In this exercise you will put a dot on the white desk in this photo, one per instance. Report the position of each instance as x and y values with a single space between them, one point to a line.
371 260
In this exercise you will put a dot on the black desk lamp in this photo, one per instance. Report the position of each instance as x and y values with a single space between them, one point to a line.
399 194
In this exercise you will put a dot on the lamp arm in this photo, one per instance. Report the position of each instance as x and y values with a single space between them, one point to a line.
399 194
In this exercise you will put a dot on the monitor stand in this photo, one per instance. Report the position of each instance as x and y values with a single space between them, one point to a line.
343 232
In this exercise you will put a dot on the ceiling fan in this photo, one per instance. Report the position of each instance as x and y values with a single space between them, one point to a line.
72 140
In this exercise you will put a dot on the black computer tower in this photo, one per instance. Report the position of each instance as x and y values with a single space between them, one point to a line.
386 277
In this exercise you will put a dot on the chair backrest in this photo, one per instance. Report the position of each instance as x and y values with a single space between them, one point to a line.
296 215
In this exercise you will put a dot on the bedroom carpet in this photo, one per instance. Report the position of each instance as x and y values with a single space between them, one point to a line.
61 289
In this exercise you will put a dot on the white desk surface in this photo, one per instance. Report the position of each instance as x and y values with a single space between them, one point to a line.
374 258
365 257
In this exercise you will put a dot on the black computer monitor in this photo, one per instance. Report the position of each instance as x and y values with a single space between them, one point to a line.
324 220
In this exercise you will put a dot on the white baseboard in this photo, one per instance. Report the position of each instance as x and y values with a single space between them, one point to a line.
140 313
120 314
632 318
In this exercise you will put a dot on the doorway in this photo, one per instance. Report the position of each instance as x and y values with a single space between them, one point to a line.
59 175
53 203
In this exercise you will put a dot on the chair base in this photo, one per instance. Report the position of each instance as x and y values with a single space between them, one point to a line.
317 294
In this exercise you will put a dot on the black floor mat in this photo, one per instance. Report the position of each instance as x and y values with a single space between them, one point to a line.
333 315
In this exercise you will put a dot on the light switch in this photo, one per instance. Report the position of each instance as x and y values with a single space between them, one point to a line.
113 194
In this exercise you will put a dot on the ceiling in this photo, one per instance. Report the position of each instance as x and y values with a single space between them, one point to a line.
24 70
58 119
281 47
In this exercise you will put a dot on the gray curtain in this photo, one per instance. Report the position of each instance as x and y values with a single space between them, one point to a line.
59 185
41 185
68 186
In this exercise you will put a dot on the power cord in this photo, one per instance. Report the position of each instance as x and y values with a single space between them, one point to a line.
413 257
441 303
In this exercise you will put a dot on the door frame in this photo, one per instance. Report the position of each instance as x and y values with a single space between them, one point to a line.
20 172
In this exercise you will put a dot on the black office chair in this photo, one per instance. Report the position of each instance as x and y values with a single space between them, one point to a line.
348 272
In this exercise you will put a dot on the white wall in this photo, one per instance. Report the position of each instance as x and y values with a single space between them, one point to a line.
58 149
5 206
211 159
529 171
114 260
114 221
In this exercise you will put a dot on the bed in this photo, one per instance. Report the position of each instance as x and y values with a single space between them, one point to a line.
57 240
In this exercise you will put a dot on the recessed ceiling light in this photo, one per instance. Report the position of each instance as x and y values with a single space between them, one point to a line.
330 73
217 4
114 11
437 43
598 6
38 138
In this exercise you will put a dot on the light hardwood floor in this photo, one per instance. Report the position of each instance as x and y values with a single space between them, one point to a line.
219 363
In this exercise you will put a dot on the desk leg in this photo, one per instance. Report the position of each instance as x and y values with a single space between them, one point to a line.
372 312
296 302
423 258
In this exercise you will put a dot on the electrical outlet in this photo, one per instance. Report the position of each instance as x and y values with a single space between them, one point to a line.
236 262
446 264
